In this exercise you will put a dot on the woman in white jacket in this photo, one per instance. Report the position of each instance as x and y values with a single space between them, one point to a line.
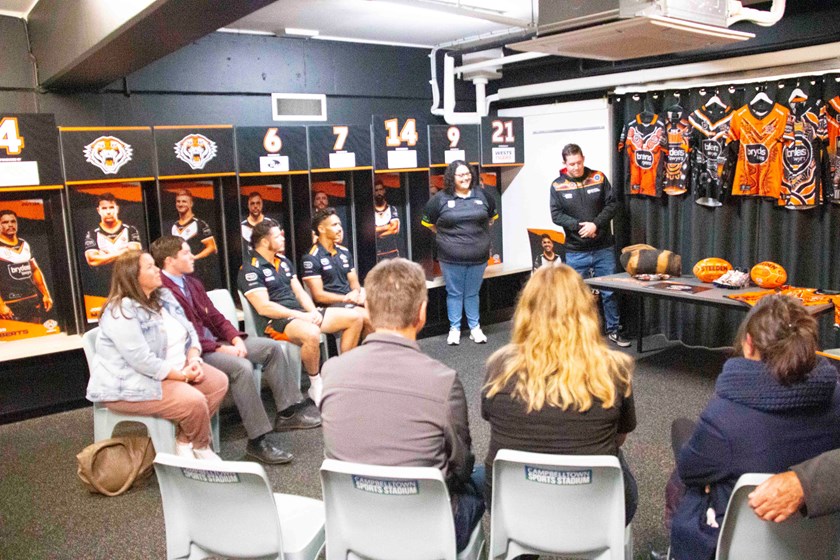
148 357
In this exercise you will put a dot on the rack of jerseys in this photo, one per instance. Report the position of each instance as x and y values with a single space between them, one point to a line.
763 149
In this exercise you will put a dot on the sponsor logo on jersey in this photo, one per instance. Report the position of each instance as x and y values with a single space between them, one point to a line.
596 190
756 153
21 271
250 276
677 155
308 265
451 204
195 150
568 195
267 273
711 148
108 153
644 159
798 154
325 261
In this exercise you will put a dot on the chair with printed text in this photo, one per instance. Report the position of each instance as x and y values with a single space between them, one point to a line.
380 513
558 505
228 509
161 430
744 535
291 349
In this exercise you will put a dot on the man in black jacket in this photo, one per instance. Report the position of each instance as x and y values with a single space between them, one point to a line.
582 202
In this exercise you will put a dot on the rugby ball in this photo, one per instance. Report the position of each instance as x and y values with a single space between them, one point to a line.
768 275
709 270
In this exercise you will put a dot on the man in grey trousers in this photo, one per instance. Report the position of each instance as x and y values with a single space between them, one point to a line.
236 354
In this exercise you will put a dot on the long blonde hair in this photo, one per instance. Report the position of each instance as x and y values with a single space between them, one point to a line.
557 354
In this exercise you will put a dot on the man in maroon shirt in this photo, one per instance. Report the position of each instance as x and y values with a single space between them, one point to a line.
236 354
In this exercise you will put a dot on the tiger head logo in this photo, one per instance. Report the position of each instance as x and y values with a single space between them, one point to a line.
196 150
108 153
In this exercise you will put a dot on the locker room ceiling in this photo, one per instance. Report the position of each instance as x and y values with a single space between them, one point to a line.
87 45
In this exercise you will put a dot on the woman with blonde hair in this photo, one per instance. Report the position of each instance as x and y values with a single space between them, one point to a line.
557 387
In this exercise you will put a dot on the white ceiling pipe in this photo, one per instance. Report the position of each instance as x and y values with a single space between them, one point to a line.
496 63
449 114
737 12
696 69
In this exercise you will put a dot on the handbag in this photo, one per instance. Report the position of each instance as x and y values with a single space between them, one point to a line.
112 466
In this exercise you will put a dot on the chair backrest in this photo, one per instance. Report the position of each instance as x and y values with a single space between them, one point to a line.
224 508
386 512
744 535
557 504
223 301
252 323
89 345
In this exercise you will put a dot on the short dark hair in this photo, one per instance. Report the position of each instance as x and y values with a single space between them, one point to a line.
321 215
7 212
165 246
571 150
546 236
449 175
395 288
107 197
254 194
260 231
784 334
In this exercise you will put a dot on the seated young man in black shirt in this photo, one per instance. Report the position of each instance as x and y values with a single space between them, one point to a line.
270 283
329 270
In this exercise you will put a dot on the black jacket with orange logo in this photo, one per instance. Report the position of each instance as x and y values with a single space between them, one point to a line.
585 199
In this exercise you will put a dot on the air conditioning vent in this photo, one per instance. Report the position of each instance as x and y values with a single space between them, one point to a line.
299 106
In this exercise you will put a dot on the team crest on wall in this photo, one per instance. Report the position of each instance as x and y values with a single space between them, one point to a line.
196 150
108 153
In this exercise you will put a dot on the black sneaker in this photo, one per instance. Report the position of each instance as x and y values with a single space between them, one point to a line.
618 339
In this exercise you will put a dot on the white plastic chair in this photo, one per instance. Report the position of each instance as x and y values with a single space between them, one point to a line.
161 430
291 349
379 513
744 535
228 509
558 505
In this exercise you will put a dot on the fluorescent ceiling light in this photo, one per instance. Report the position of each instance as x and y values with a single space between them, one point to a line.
245 31
300 32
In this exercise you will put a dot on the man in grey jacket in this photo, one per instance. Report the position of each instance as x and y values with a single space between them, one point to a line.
814 484
387 403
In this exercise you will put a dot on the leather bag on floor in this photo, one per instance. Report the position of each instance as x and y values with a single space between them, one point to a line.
112 466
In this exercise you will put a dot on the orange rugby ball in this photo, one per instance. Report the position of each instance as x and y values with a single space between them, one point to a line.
709 270
768 275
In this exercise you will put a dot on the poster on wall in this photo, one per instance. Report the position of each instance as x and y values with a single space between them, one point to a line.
194 151
28 151
490 184
93 155
108 220
189 210
388 209
260 203
547 247
399 144
271 150
334 194
502 141
27 287
339 148
448 143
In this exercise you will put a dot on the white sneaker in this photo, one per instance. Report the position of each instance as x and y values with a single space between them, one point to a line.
184 449
478 336
454 338
206 454
316 389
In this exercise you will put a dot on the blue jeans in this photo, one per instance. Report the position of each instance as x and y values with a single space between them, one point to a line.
600 262
463 282
468 507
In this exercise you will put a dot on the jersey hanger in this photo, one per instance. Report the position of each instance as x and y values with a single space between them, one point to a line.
761 97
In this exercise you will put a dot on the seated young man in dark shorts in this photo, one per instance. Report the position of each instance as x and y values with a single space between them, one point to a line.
329 270
270 283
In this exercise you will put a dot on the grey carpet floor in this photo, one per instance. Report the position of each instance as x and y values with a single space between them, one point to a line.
45 513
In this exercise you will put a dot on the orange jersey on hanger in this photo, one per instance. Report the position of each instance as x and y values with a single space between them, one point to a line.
645 145
759 168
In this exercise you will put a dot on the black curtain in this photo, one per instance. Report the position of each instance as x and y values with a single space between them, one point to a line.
744 231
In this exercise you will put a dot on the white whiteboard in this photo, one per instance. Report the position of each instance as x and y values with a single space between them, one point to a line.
547 129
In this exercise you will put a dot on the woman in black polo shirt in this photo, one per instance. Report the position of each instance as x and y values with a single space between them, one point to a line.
460 215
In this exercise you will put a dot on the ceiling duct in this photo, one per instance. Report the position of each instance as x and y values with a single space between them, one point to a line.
625 29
